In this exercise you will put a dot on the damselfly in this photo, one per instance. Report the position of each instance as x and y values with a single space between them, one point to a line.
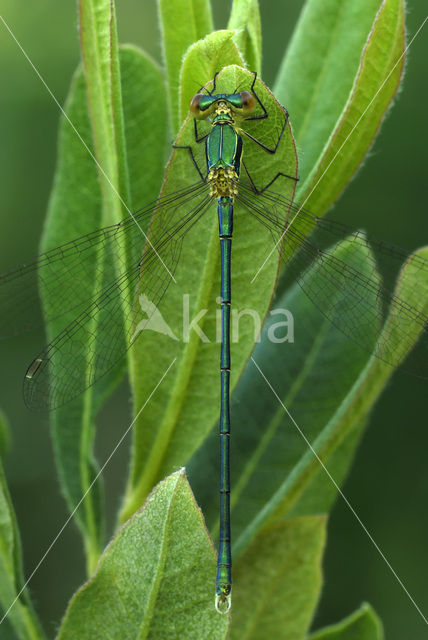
234 135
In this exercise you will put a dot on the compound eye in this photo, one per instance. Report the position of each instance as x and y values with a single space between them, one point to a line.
195 105
248 101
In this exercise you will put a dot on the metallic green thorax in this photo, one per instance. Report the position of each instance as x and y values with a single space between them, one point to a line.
224 151
224 145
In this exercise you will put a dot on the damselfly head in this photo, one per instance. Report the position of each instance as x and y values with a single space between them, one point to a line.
239 104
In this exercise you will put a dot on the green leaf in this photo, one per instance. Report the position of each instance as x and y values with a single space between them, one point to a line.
306 372
274 473
357 45
320 493
363 624
412 287
21 615
101 65
245 20
100 55
202 61
277 581
76 208
183 22
155 579
146 131
184 408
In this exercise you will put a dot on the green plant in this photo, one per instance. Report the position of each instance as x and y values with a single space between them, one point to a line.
120 125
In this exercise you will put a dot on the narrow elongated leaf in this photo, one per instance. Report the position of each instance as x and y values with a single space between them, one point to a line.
364 624
273 467
278 581
76 208
21 615
320 493
98 36
351 411
202 61
183 22
182 412
101 65
356 71
315 88
245 19
301 354
155 579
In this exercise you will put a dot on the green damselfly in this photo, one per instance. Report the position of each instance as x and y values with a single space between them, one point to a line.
230 143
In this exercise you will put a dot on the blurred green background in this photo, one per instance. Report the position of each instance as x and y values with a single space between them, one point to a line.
388 485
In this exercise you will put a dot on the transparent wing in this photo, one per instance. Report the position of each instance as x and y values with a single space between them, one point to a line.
94 341
354 288
67 273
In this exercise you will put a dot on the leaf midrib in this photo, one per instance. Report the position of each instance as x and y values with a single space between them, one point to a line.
181 382
317 88
157 578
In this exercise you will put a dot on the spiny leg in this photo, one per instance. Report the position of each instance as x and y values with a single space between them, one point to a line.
198 139
263 116
192 157
214 83
204 86
259 190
